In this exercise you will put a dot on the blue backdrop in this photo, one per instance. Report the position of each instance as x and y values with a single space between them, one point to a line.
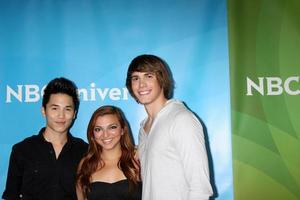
92 43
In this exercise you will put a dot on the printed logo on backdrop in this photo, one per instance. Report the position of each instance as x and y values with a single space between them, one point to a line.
273 86
33 93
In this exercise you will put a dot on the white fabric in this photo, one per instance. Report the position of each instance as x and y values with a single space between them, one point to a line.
173 156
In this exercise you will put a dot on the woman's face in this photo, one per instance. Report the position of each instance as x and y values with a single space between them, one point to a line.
108 132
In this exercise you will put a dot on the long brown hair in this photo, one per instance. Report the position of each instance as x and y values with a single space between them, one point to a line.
90 162
156 65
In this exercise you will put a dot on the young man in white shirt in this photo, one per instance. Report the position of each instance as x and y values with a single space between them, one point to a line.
171 148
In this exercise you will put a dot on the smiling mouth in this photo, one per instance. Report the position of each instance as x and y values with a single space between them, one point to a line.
107 141
144 92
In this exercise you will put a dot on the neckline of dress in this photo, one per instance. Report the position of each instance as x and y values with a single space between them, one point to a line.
119 181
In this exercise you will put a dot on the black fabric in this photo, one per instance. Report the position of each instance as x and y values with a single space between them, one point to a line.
114 191
34 173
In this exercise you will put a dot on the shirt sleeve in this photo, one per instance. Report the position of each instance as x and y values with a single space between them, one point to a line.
14 177
190 143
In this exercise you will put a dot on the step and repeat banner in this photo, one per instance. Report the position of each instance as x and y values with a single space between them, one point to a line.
92 42
264 40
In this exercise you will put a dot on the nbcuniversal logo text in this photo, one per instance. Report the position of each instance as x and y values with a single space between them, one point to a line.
33 93
272 86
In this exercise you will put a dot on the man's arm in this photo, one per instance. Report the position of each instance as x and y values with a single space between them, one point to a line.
14 177
190 143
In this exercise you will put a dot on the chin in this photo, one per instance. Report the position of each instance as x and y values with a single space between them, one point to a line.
109 147
143 101
61 130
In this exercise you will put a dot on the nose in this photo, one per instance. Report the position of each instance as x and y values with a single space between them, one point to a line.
61 114
142 82
105 133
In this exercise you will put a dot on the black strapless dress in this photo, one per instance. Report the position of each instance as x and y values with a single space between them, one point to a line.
114 191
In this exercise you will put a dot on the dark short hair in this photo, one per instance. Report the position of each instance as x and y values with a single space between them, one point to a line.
156 65
63 86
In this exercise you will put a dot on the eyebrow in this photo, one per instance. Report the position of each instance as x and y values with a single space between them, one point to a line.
149 73
114 124
146 73
56 105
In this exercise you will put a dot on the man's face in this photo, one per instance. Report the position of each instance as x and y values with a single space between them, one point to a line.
145 87
59 113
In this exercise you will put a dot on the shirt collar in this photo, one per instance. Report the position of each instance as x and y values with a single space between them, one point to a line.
69 137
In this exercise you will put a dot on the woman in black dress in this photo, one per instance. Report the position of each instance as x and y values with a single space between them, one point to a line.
109 171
